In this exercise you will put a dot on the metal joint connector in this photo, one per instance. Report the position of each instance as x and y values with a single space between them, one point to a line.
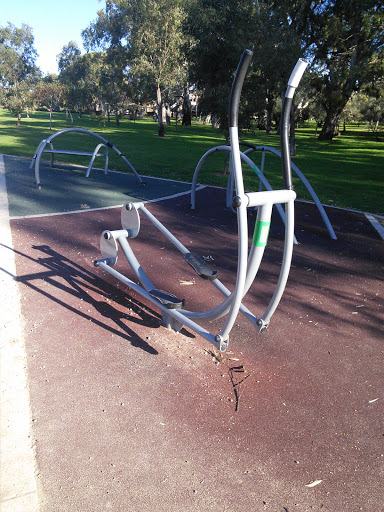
236 202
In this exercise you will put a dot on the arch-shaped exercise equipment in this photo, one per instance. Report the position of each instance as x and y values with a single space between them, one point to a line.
174 314
263 180
308 186
230 185
103 145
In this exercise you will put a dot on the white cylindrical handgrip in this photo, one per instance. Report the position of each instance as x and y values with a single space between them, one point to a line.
297 73
270 197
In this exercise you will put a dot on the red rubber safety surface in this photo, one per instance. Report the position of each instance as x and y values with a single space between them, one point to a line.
131 417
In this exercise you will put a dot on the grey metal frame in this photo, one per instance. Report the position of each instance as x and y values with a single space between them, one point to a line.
263 180
300 175
248 261
230 185
104 144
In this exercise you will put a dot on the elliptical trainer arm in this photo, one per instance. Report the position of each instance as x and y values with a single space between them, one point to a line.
237 85
240 200
293 82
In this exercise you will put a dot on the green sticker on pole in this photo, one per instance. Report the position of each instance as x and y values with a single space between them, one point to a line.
260 235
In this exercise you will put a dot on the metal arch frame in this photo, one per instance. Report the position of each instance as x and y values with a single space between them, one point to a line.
262 178
247 160
304 180
40 149
247 262
95 152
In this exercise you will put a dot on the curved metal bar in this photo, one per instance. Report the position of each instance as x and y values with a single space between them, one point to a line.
285 267
293 82
197 171
304 180
248 161
241 203
43 143
96 151
247 265
174 313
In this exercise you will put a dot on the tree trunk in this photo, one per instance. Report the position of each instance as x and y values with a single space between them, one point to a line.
115 101
168 114
261 121
269 108
268 126
331 125
215 121
161 127
187 117
18 118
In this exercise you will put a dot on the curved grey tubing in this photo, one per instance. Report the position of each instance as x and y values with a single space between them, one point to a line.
247 265
242 217
242 221
40 150
306 183
248 161
293 82
211 314
95 152
263 180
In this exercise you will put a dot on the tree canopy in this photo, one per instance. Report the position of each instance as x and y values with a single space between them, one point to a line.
146 39
153 50
347 52
18 71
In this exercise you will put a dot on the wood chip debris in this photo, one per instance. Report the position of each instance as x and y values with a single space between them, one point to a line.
186 283
314 483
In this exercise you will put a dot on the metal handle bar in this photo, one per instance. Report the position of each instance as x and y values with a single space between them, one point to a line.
293 82
269 197
237 85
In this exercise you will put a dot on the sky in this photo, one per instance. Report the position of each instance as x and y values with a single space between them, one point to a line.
54 23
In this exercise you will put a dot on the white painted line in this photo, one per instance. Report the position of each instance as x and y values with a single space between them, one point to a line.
376 224
200 187
338 208
18 487
179 194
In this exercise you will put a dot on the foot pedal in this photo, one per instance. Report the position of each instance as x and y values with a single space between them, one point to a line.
168 300
200 267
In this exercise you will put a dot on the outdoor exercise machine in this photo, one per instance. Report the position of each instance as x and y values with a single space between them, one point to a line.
174 315
100 150
263 180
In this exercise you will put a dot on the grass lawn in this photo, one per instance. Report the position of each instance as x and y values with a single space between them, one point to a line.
346 172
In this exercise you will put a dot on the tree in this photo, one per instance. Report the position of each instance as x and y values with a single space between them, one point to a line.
18 71
80 74
48 92
68 56
347 51
222 29
148 38
368 105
